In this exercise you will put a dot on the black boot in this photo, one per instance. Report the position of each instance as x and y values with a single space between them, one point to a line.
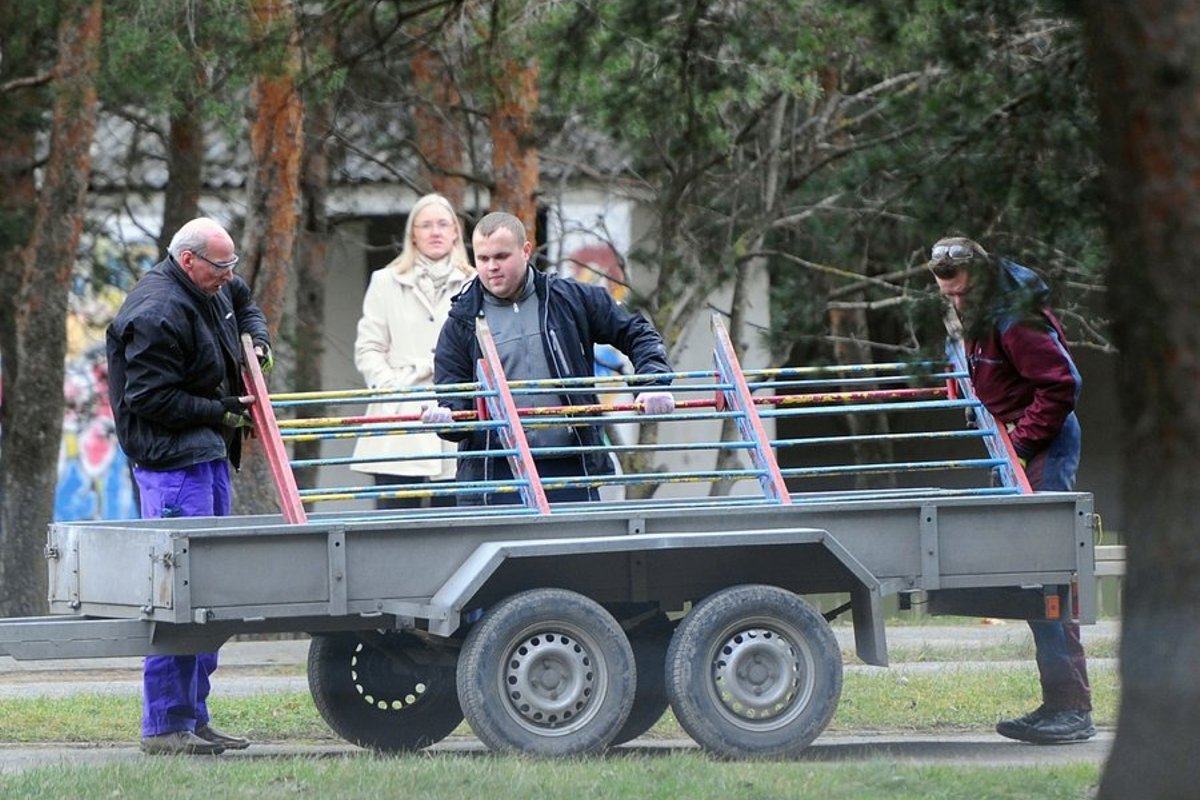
230 742
1050 727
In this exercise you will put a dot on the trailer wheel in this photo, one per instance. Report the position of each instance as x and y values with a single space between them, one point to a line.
546 672
754 672
649 643
386 691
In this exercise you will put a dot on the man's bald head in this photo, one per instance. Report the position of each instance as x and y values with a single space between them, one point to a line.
199 235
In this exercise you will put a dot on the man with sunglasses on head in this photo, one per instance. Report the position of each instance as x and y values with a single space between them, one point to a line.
1023 374
174 367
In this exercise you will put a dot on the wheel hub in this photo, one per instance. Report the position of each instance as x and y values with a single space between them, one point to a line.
372 670
550 679
757 674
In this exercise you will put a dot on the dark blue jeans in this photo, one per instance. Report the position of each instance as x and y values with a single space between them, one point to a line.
1062 665
175 688
571 467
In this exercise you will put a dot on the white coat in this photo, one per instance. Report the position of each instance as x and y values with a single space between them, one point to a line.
394 347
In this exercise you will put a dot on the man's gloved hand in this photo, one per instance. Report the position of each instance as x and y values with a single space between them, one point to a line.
972 420
436 415
655 402
237 411
266 359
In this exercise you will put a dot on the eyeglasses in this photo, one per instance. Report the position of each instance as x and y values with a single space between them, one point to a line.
222 265
440 224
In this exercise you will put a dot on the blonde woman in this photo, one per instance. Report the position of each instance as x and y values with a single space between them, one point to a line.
403 310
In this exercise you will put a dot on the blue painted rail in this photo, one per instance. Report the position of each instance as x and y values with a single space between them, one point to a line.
759 403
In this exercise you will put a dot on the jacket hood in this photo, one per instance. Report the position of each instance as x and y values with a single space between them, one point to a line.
1018 293
1016 278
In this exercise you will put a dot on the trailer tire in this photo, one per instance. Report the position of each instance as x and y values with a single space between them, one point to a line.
546 672
388 692
649 643
754 672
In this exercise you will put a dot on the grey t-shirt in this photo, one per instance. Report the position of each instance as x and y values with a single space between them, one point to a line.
516 327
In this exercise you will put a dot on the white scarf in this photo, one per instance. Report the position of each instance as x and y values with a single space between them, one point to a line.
432 276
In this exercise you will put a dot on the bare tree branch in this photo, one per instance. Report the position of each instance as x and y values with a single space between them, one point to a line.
28 82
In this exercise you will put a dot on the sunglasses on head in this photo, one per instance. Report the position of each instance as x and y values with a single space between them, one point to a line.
951 252
945 260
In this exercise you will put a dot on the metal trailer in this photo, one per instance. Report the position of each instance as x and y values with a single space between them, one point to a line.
563 629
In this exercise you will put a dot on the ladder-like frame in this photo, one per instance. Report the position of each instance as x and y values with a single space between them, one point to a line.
733 399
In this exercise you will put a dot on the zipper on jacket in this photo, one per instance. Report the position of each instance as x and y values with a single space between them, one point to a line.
560 360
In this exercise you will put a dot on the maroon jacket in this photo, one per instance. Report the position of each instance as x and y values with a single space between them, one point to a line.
1021 369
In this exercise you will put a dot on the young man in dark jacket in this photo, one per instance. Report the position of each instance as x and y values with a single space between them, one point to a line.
544 328
1023 374
178 400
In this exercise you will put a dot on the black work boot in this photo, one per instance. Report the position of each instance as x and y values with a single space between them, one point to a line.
210 734
180 743
1017 728
1056 727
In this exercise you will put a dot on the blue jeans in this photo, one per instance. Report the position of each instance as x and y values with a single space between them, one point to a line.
1062 665
571 467
175 688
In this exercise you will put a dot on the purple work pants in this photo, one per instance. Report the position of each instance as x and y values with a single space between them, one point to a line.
175 688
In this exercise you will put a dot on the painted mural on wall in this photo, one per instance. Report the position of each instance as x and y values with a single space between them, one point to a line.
94 480
93 473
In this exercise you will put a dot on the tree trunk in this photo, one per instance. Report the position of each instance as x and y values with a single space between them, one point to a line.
514 154
185 160
33 389
273 199
312 264
1148 90
851 335
438 139
18 152
18 199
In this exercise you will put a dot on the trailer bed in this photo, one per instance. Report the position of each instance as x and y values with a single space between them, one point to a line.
496 611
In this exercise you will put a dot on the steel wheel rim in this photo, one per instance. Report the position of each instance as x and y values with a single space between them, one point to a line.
761 674
366 666
552 681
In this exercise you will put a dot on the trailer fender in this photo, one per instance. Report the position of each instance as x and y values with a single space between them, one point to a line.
445 608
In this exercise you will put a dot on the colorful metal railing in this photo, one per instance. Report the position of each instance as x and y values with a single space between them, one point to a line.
938 394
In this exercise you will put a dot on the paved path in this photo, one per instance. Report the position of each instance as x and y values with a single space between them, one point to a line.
914 748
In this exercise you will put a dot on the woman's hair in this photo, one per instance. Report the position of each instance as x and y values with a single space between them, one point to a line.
408 254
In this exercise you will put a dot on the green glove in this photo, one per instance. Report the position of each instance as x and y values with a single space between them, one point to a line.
237 413
236 421
266 359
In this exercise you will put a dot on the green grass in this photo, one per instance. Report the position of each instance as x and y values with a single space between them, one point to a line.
1016 649
876 700
872 701
954 699
644 777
